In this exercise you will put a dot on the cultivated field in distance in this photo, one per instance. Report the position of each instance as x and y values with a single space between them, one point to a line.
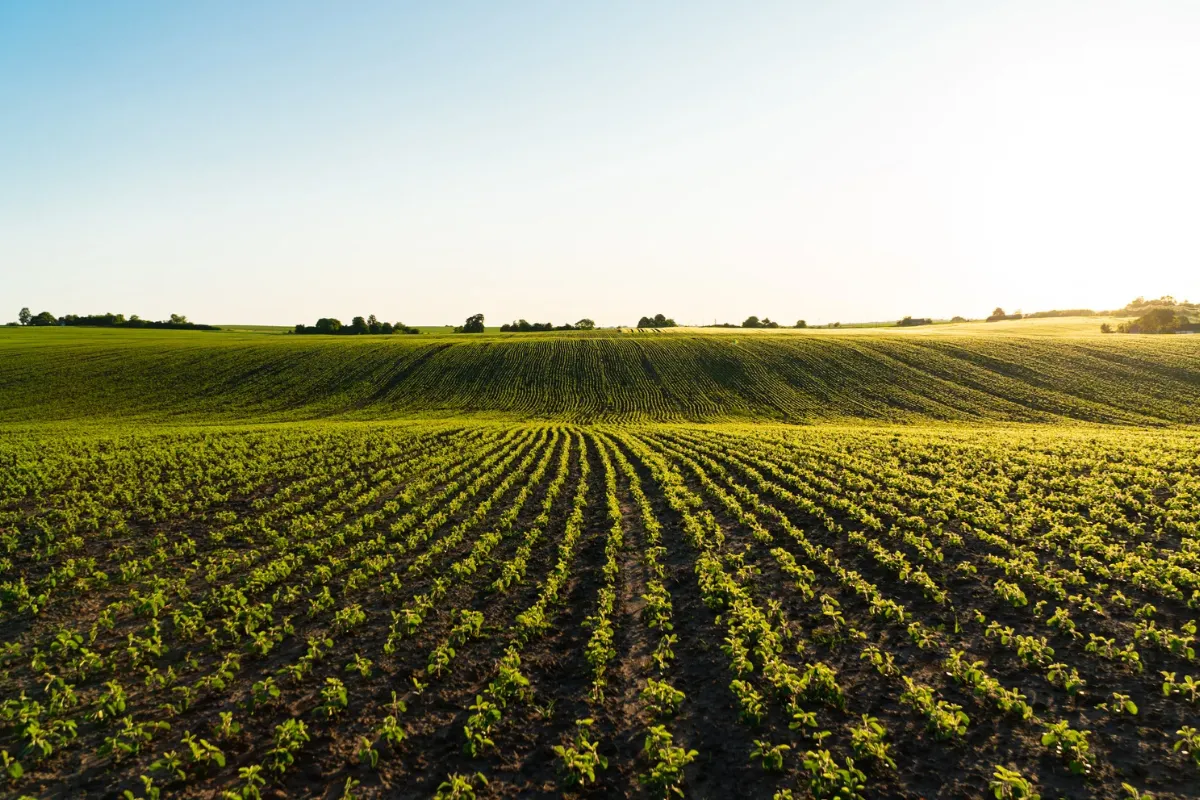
245 565
976 373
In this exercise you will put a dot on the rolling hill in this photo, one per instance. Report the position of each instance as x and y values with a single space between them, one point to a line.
687 375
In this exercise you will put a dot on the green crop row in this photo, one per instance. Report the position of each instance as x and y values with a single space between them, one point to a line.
458 609
190 376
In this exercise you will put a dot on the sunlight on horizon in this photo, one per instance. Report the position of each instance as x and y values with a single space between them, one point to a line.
277 163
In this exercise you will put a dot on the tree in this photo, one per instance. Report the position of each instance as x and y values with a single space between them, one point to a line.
328 325
999 312
657 321
474 324
25 316
752 322
44 319
358 325
801 324
1106 328
178 319
374 326
1160 320
585 324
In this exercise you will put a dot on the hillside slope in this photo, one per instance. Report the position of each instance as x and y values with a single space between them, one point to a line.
51 374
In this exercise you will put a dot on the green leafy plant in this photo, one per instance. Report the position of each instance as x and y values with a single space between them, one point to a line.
367 754
1119 704
867 741
667 762
769 756
149 790
1072 745
333 698
460 787
290 736
1065 677
226 727
10 766
946 720
201 752
829 779
582 757
1188 743
170 764
250 788
360 665
392 732
1188 688
662 699
751 702
1009 784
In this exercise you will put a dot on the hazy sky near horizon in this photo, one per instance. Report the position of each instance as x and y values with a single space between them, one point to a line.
273 162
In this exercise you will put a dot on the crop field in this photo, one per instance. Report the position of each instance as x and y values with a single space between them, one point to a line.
602 376
458 609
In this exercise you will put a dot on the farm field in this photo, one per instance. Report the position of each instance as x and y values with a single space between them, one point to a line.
989 376
642 401
1046 326
410 608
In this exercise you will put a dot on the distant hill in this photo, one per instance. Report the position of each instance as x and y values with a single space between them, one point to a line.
85 374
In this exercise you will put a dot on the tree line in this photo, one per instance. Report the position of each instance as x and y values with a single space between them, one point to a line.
474 324
754 322
45 319
331 326
657 321
1160 320
912 322
524 326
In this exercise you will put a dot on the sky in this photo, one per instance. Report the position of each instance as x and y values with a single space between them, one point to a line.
275 162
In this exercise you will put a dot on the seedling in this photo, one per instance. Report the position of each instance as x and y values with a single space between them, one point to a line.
667 762
867 741
661 698
1119 704
460 787
582 758
828 779
769 756
1009 784
1188 743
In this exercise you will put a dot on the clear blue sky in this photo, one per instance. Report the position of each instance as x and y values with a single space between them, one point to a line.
274 162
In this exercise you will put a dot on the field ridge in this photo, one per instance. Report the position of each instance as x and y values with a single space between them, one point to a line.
184 376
